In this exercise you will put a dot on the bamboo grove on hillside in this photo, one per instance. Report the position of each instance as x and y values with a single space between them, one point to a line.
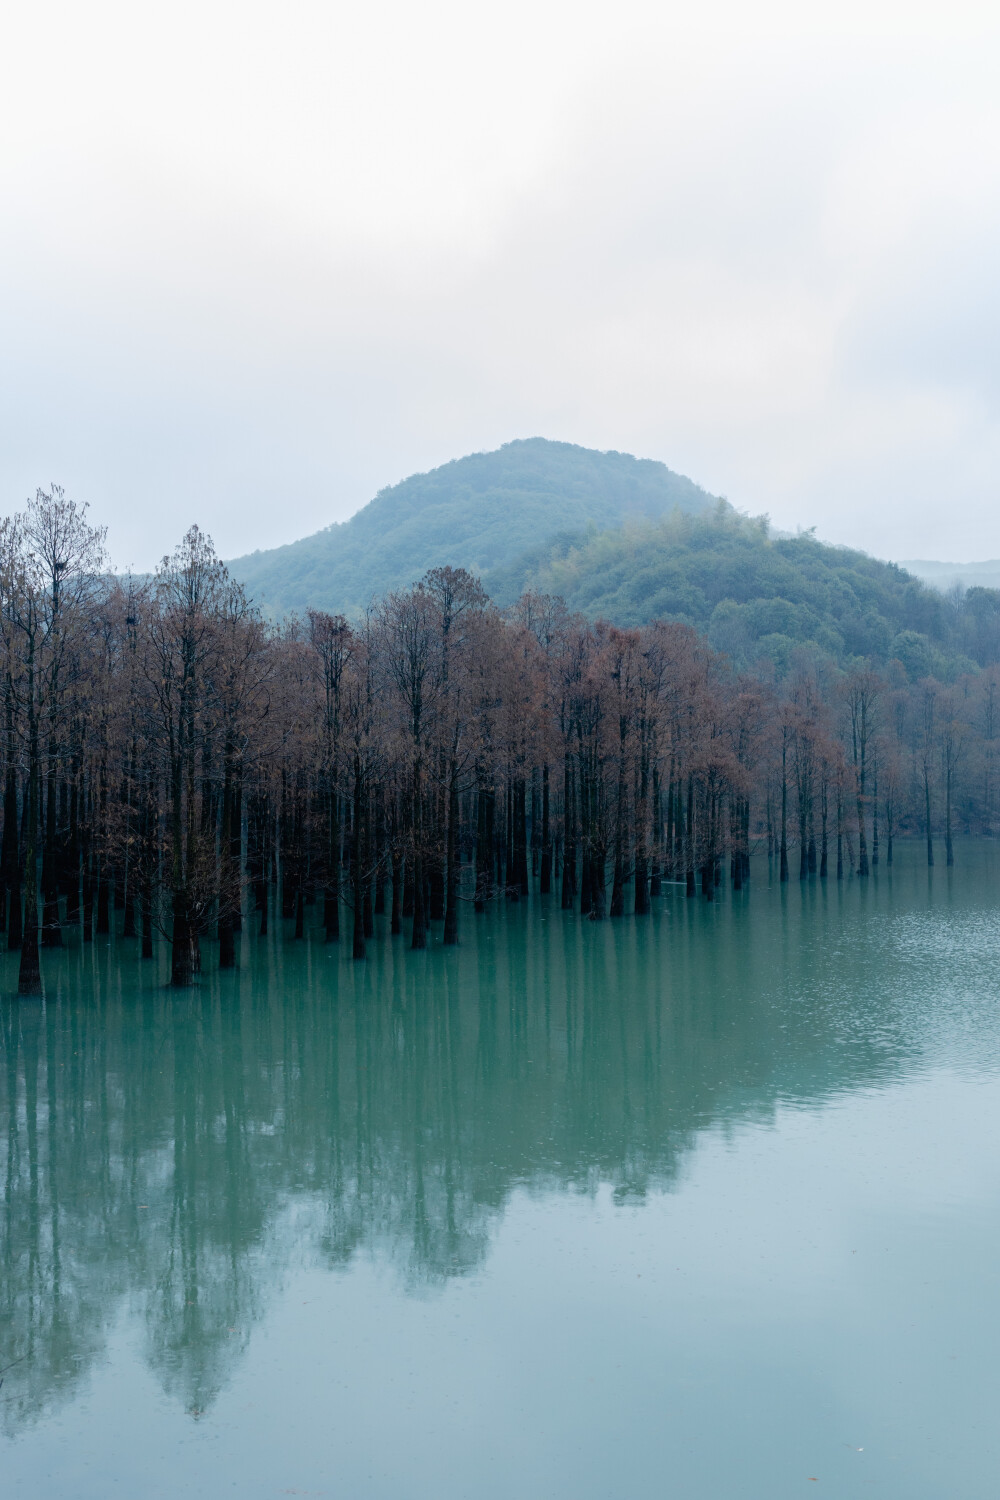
174 765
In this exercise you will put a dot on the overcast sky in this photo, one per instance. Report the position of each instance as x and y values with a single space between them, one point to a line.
258 260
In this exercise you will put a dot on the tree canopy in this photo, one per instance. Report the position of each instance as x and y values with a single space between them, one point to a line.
761 598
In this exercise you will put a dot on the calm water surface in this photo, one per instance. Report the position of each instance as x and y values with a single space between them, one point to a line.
705 1205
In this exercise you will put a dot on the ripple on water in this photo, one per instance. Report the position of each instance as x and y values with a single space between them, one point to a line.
947 982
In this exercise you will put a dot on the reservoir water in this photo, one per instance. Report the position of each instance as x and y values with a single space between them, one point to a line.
697 1205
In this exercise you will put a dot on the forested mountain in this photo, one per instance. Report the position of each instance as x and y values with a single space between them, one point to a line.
627 540
479 512
757 596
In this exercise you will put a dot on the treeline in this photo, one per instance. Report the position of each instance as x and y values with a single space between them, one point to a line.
173 765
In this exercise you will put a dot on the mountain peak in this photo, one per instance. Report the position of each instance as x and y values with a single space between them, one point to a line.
478 512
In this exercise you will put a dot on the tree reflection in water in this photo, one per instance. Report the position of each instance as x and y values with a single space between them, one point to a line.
171 1156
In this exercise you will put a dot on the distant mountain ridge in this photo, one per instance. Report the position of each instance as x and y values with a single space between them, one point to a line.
944 575
762 598
481 512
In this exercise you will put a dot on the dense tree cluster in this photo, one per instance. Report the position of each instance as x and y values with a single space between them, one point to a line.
760 597
171 759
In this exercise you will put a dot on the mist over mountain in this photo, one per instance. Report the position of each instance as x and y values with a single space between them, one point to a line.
945 575
480 512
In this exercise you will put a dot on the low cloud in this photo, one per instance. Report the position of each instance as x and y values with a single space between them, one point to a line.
254 272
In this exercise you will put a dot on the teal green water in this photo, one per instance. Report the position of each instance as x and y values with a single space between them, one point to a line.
696 1206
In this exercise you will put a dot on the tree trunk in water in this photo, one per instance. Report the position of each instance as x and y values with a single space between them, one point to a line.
227 931
875 840
182 944
640 903
9 850
484 846
71 862
545 870
618 884
128 924
863 867
15 916
147 921
227 944
521 840
690 882
331 898
568 895
783 854
228 898
598 886
436 884
358 883
739 857
29 978
419 937
396 921
587 883
568 883
236 853
51 927
657 849
51 924
451 862
88 902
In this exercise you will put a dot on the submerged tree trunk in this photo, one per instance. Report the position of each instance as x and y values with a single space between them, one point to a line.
451 861
183 942
227 877
485 855
146 903
419 937
396 920
359 946
29 977
783 864
51 925
568 895
545 869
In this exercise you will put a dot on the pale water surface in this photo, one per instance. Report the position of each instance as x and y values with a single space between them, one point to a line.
702 1205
